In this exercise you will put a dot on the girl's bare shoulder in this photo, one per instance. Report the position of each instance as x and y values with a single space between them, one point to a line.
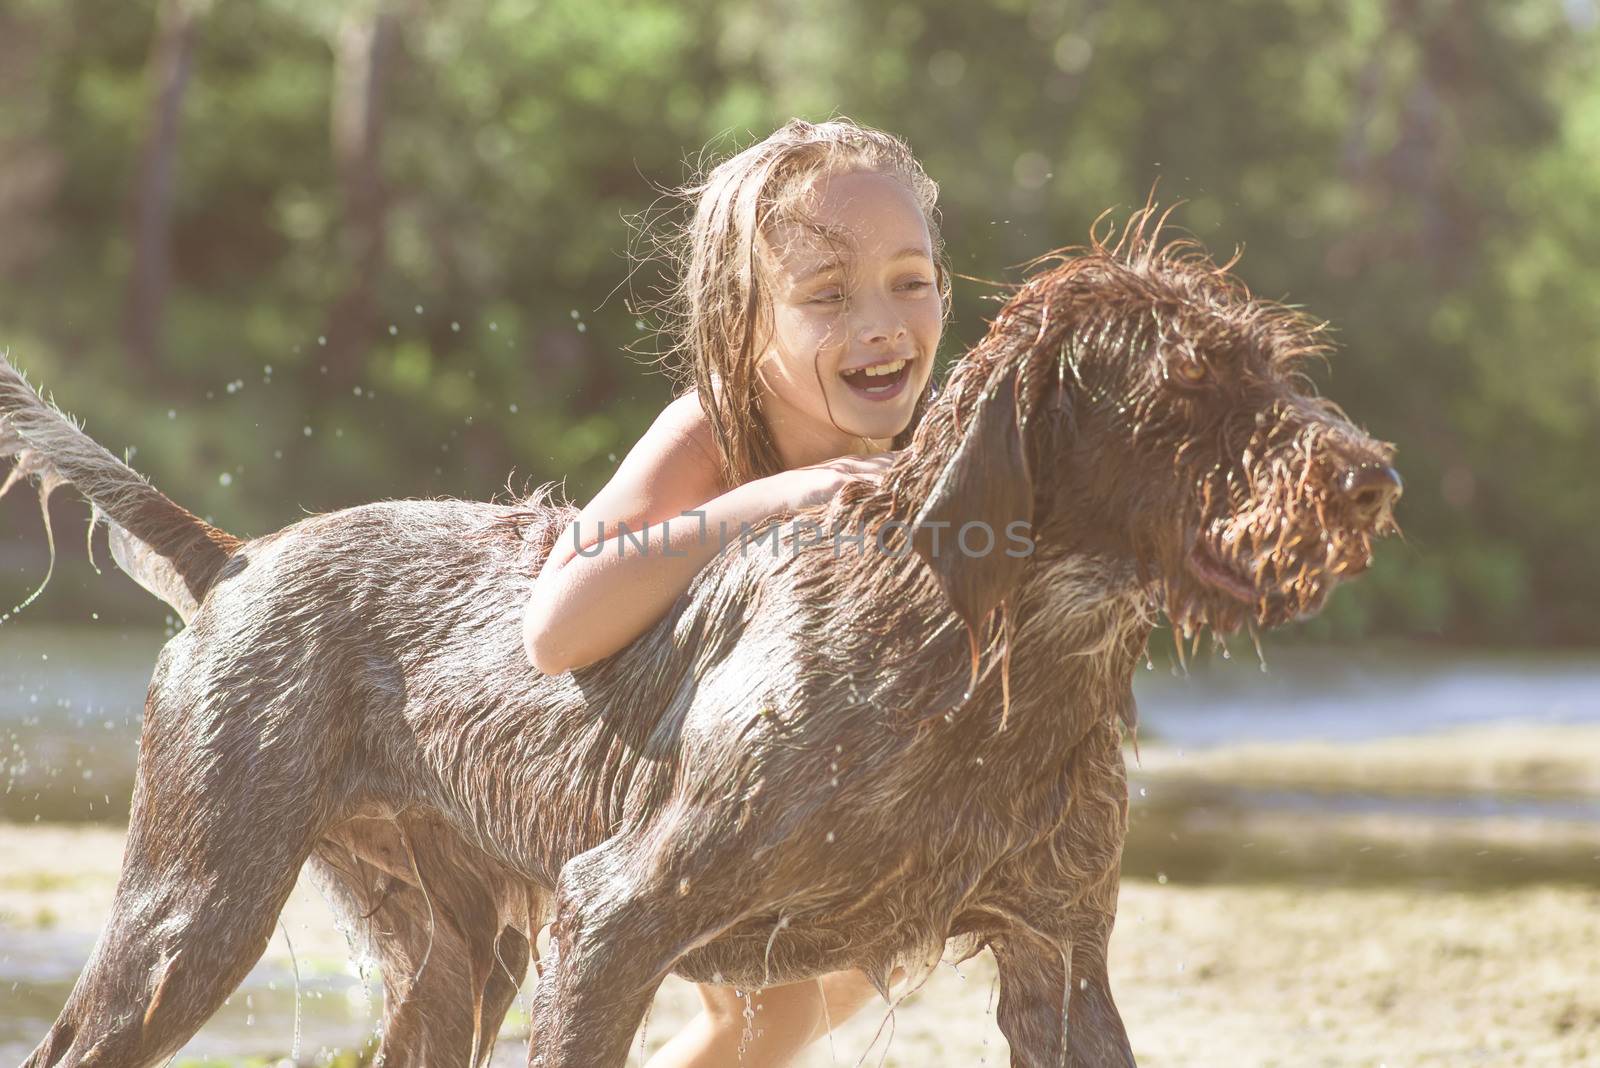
671 468
683 433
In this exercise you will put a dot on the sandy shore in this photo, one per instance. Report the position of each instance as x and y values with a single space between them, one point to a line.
1509 758
1204 975
1243 973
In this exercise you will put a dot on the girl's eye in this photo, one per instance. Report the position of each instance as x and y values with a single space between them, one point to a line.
918 284
826 297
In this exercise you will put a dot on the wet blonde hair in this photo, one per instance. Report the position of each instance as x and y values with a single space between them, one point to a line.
718 295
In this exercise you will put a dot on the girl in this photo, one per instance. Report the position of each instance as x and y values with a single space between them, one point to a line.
811 298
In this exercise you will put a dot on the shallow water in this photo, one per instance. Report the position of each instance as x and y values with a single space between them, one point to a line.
37 972
71 698
1357 694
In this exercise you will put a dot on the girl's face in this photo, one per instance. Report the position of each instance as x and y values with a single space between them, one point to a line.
855 316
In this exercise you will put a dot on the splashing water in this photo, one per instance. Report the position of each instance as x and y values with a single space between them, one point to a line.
988 1010
827 1023
294 966
644 1027
749 1013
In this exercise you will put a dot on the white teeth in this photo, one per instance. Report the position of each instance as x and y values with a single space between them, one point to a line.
881 369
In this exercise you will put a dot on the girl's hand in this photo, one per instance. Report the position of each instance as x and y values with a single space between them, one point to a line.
818 483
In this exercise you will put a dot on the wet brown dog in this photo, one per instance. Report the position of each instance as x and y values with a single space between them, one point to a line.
828 757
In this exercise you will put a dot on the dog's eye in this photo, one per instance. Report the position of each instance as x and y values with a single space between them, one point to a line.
1188 372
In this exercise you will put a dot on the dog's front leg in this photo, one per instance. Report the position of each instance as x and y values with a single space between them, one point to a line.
1035 977
620 924
1055 1005
1055 992
1096 1033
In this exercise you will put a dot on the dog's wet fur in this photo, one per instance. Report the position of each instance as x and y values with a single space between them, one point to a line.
817 760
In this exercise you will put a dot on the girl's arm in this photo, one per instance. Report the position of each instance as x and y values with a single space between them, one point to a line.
587 606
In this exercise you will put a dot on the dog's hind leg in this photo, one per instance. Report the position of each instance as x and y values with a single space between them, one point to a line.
428 907
512 952
220 826
195 906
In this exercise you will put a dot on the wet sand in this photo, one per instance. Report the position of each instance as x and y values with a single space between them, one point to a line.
1302 970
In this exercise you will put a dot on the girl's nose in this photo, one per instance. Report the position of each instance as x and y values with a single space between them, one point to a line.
879 325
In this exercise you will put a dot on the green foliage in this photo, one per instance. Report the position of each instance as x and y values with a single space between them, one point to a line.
1420 173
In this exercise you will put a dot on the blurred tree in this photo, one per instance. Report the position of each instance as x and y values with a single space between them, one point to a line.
400 230
171 59
364 57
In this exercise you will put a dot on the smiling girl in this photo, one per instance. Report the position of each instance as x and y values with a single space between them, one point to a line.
812 297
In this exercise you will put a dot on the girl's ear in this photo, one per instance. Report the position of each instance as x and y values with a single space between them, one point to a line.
986 487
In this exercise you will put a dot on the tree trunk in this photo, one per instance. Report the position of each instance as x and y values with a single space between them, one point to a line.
364 53
171 59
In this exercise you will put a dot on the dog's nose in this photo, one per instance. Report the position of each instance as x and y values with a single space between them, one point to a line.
1370 489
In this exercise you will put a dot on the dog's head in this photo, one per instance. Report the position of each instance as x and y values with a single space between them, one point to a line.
1134 401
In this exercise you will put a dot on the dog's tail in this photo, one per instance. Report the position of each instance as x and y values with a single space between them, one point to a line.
165 548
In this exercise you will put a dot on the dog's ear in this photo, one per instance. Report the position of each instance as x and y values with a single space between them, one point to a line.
987 482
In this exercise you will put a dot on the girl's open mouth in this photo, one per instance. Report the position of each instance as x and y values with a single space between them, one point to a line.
881 382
